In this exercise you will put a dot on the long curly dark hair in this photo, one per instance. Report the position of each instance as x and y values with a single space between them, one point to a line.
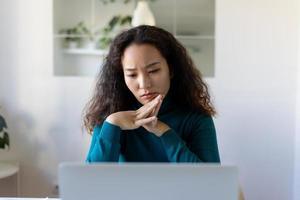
111 93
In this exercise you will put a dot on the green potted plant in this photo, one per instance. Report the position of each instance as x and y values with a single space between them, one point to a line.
4 137
116 24
89 35
72 35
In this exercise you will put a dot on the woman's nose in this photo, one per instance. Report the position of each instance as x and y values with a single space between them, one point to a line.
145 81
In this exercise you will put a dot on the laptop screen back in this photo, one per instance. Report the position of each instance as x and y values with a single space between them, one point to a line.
137 181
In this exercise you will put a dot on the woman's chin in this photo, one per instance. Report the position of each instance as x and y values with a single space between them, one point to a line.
146 99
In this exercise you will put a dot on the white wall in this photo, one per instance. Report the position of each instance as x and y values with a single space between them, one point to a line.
297 136
297 143
7 60
254 90
42 111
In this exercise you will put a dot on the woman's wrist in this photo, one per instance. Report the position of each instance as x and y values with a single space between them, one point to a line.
161 128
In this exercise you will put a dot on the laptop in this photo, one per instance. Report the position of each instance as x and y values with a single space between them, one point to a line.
147 181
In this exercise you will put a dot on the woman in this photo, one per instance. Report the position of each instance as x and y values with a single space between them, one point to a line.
150 103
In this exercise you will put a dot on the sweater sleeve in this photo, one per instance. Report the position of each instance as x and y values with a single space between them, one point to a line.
200 145
105 144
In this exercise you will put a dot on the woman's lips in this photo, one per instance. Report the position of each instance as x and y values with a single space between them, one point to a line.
148 96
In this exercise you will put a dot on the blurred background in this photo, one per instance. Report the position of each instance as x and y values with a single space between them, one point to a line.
248 52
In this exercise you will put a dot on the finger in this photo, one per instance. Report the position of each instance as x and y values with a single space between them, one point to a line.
147 111
149 104
144 121
155 112
157 108
153 123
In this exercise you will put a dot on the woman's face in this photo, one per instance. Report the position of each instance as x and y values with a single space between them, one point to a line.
146 72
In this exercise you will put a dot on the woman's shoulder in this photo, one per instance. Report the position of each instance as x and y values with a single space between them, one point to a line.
194 113
196 117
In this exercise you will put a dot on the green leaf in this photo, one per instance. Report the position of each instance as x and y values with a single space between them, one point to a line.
112 23
4 141
2 123
126 20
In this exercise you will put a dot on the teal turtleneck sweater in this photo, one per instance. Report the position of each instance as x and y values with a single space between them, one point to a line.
192 138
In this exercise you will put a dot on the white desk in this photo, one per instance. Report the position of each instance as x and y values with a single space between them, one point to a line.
8 169
4 198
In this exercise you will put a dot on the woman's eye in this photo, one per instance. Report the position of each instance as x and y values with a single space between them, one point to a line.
131 75
153 71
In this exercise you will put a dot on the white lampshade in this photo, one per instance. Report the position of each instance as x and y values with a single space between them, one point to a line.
142 15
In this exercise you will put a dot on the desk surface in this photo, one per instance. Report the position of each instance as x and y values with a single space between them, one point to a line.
14 198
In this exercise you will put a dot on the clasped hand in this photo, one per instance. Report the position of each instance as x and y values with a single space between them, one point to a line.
145 116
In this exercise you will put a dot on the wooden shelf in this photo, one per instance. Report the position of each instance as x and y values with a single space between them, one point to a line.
194 31
195 37
80 51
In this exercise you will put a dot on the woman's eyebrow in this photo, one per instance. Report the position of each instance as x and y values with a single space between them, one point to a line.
151 64
148 65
